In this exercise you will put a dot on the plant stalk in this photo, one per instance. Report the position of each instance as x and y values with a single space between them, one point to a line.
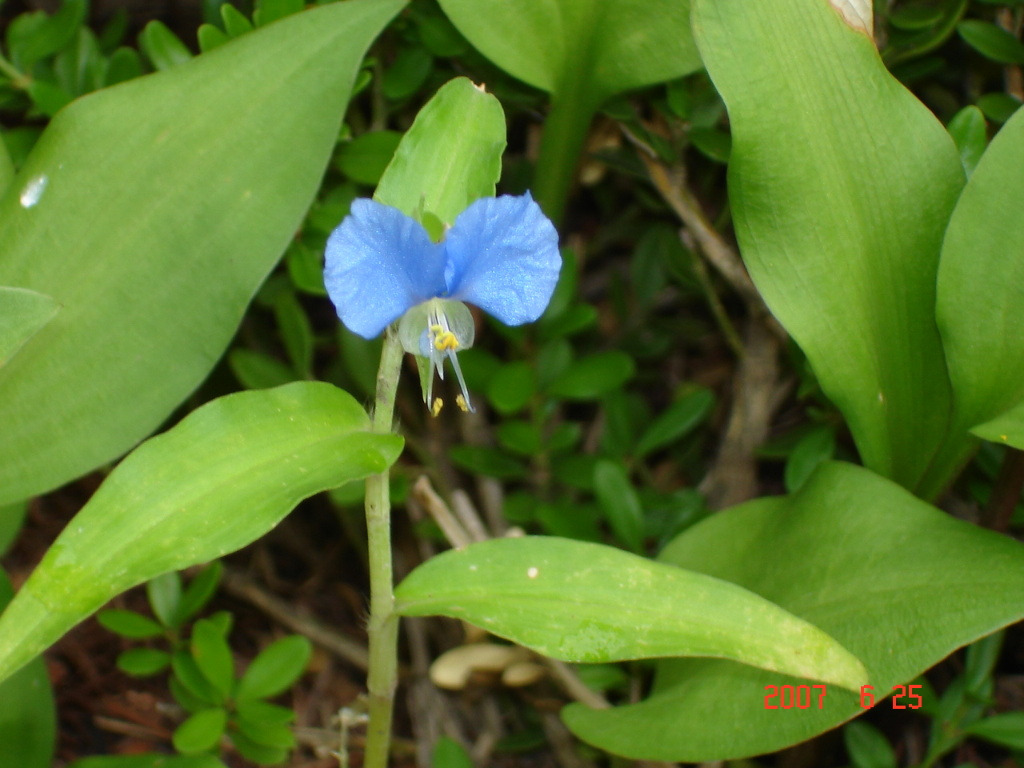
565 133
382 627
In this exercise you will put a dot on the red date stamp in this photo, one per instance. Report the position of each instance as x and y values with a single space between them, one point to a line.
813 696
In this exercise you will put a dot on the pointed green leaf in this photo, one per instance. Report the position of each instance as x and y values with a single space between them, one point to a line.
421 179
218 480
981 289
143 662
1006 729
894 580
620 502
275 669
200 732
196 595
164 594
129 624
162 47
22 314
161 205
968 131
577 601
32 37
212 655
991 41
839 228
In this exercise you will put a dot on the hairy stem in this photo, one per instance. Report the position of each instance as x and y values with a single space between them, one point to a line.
382 627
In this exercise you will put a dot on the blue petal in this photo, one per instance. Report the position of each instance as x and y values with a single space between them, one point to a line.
502 255
380 263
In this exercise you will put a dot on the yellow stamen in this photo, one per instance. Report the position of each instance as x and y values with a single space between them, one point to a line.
445 341
461 402
437 406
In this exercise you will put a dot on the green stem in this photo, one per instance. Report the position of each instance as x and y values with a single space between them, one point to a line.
19 79
565 132
382 627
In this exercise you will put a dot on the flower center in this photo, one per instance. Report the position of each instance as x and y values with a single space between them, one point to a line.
434 331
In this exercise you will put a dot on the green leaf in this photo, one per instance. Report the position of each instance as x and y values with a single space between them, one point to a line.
268 11
620 503
604 46
48 97
511 387
256 370
23 313
981 661
365 158
1006 730
296 332
676 421
998 107
124 64
522 437
187 673
594 376
968 131
448 753
162 47
12 517
582 52
992 42
235 23
28 718
420 179
266 734
980 301
261 712
197 594
814 448
577 601
225 475
257 753
408 72
164 594
154 248
275 669
209 37
32 37
129 624
840 233
484 460
867 746
212 655
201 731
859 557
143 662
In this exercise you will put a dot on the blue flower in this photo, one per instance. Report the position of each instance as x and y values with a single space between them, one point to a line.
501 254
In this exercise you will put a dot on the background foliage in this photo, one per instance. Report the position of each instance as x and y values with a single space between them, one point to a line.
160 248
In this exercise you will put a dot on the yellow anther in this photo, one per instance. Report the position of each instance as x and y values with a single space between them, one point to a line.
445 341
436 407
461 402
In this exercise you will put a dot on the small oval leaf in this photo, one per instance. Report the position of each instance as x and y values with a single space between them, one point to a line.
275 669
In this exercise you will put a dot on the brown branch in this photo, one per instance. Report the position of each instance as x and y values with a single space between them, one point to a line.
241 586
